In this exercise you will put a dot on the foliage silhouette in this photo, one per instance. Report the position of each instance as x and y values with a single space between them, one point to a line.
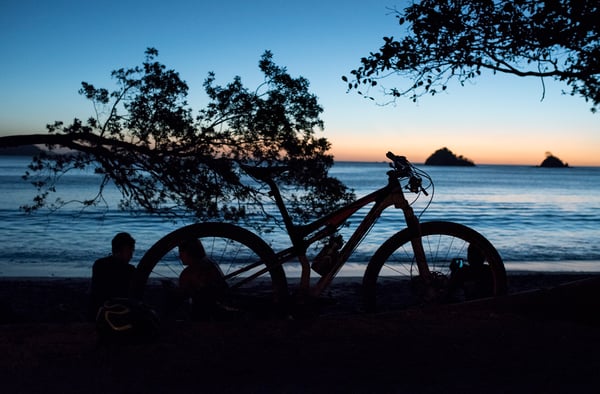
144 138
446 40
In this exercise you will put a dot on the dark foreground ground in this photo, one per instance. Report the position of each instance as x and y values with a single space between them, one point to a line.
543 338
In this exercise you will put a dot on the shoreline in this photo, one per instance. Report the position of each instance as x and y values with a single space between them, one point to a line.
65 299
349 270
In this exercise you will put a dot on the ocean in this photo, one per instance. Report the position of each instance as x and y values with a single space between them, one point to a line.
539 219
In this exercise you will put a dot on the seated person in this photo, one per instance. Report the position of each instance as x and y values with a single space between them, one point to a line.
471 278
202 280
479 281
112 275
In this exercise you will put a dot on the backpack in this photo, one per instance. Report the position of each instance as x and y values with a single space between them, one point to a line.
124 320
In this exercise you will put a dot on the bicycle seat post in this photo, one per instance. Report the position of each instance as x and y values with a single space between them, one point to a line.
265 174
295 236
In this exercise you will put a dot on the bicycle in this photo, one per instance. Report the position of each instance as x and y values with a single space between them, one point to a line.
421 263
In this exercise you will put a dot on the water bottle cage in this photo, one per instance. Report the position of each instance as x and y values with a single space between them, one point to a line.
328 256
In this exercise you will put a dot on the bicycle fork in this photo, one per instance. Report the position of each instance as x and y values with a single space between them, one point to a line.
414 226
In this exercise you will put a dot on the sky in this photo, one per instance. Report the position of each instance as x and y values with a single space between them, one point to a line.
47 48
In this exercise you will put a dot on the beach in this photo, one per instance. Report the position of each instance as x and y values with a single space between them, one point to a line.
542 337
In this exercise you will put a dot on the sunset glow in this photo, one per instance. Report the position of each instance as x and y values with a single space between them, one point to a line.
363 149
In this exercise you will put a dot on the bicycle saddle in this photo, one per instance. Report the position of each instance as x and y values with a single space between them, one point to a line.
263 173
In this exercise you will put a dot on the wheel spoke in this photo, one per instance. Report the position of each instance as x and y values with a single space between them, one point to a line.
241 255
445 245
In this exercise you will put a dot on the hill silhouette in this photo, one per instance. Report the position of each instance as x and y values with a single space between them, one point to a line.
552 161
25 150
445 157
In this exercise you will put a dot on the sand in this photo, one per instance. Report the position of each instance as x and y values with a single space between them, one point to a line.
542 338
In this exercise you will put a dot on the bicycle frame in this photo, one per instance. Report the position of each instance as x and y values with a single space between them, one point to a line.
420 244
302 236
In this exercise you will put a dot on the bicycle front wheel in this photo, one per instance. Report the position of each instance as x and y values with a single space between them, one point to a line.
463 264
247 262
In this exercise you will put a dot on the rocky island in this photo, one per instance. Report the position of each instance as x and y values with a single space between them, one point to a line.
552 161
445 157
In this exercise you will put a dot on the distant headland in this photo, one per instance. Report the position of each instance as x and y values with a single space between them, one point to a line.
445 157
25 150
552 161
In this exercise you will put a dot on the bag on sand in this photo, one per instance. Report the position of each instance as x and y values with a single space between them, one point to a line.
123 320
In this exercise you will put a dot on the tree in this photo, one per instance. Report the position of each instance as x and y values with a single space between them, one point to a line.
144 138
446 40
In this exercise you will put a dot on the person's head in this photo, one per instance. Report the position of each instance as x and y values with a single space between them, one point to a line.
191 250
475 256
123 246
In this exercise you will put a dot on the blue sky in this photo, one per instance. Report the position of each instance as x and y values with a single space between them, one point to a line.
49 48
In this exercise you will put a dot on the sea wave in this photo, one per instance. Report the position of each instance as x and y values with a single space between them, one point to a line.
529 216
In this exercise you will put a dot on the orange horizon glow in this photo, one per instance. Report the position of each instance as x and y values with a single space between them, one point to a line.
348 150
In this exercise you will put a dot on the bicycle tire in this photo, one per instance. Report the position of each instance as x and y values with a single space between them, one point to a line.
391 279
234 248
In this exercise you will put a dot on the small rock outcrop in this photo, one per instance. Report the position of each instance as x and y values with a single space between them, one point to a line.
552 161
445 157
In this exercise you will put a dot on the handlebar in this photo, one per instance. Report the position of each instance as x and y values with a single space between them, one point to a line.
400 164
402 168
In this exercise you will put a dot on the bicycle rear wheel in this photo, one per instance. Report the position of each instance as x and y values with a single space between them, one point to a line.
463 263
249 265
